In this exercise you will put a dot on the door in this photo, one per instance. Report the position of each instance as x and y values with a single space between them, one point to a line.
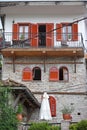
49 35
34 35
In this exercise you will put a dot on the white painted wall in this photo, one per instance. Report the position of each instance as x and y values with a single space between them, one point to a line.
43 14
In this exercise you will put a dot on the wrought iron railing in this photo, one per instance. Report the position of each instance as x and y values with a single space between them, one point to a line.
63 40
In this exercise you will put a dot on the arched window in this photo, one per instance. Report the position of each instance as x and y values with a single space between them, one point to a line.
63 74
27 74
54 75
36 73
52 101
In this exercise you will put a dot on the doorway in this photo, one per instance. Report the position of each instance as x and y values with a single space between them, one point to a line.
42 35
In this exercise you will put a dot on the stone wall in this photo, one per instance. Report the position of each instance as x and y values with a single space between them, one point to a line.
76 83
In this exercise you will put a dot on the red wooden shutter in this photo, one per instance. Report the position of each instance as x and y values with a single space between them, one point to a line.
34 35
54 75
27 74
52 106
49 35
58 32
15 32
75 32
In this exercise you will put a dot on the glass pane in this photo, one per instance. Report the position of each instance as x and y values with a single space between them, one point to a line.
20 32
64 33
69 32
26 32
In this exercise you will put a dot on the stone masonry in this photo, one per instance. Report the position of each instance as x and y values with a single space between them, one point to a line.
76 83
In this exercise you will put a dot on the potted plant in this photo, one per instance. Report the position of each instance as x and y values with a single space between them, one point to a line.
19 112
66 111
22 37
69 37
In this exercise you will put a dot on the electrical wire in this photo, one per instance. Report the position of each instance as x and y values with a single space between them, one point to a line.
35 36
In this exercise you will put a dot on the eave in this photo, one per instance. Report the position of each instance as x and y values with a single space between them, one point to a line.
48 52
20 89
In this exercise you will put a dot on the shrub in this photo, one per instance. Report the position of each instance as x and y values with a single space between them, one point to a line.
8 120
73 127
43 126
82 125
55 127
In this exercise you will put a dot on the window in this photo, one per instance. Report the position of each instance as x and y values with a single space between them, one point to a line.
63 74
54 76
27 74
66 31
23 32
36 73
52 101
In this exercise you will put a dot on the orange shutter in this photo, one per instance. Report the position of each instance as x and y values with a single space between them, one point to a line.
15 32
58 32
27 74
34 35
54 76
75 32
52 106
49 35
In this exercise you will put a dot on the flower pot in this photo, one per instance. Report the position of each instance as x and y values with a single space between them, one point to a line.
67 117
19 117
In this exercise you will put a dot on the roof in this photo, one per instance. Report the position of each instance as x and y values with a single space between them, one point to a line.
6 3
26 94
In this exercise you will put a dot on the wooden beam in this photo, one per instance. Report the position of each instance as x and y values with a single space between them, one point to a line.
55 62
17 100
44 63
13 56
63 93
30 102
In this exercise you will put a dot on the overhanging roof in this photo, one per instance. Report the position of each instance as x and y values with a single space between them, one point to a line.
6 3
18 88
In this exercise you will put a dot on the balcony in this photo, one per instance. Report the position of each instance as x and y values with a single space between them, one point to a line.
38 46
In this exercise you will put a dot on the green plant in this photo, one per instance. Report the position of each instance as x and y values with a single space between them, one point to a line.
67 110
82 125
22 37
8 120
73 127
19 109
55 128
43 126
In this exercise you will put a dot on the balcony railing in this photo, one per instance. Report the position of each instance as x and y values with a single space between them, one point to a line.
66 40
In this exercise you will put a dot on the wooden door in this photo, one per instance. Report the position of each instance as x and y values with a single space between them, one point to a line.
49 35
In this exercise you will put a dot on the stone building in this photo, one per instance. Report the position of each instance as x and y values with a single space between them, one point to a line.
44 48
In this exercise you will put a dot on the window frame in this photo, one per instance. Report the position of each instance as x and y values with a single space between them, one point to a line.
74 34
33 73
67 33
64 67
